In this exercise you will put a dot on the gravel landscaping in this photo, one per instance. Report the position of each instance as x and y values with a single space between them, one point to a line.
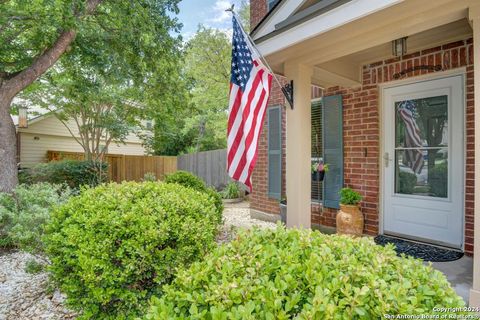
28 296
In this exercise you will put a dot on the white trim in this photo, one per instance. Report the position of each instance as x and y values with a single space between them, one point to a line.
332 19
285 9
427 77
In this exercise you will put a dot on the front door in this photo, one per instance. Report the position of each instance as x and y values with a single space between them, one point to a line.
423 161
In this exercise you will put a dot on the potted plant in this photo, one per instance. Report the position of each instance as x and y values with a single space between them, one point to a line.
232 193
283 210
318 171
350 218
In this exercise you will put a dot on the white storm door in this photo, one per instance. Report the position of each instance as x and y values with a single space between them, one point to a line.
423 161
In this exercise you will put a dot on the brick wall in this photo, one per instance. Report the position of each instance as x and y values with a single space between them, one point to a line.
362 134
258 9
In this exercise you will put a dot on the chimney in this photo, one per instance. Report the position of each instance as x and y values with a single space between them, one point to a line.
22 117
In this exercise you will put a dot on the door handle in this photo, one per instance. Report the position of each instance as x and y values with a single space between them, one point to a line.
386 158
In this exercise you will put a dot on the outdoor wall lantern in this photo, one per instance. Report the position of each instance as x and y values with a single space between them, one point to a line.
22 117
399 47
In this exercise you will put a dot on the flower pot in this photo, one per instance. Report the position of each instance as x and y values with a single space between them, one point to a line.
283 213
321 175
350 220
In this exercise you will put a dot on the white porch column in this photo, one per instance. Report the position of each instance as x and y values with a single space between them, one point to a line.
298 174
474 15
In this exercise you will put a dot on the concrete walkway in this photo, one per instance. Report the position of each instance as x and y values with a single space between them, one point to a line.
459 273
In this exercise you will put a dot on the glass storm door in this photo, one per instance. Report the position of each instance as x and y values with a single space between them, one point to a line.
423 161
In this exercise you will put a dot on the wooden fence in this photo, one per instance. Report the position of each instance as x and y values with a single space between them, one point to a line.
125 167
211 166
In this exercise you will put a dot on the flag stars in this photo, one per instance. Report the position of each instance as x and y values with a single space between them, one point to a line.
242 62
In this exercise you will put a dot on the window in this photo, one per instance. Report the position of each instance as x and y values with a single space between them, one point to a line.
271 4
317 148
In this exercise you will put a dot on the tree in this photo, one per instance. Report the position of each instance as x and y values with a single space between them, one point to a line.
207 63
103 107
133 36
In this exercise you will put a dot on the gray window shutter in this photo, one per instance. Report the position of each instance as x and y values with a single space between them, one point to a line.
333 150
274 152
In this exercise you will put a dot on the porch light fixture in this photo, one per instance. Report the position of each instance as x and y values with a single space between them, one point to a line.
22 117
399 47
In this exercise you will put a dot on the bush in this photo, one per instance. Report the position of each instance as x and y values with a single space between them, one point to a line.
438 180
186 179
231 191
189 180
149 176
217 201
287 274
407 182
350 197
75 173
113 246
24 213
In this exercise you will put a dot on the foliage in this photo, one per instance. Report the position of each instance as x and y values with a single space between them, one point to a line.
438 177
24 213
189 180
217 201
131 35
96 109
350 197
186 179
114 246
231 191
149 176
128 46
303 274
407 182
75 173
33 267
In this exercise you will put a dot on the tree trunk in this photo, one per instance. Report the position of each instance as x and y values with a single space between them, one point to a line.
8 148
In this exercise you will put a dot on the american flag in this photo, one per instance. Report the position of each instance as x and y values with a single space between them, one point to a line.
249 90
413 157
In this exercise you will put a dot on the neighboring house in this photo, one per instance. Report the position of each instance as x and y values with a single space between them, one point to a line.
399 128
46 132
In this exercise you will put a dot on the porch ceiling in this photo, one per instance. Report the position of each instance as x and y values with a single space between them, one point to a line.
337 55
346 71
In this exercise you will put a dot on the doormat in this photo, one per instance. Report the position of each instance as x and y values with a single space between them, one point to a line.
419 250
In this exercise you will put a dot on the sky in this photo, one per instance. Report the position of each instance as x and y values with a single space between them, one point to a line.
210 13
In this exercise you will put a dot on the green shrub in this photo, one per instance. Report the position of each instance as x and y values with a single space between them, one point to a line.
231 191
438 177
302 274
407 182
189 180
350 197
186 179
24 213
149 176
33 267
75 173
217 201
113 246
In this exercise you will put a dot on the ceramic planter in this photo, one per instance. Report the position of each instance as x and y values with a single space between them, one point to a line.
350 220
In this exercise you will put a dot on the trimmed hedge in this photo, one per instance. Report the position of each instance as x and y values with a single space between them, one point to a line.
114 246
74 173
186 179
300 274
189 180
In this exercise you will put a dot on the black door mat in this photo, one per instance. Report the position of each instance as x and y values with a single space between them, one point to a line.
419 250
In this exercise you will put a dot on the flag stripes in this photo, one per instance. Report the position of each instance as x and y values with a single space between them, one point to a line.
249 92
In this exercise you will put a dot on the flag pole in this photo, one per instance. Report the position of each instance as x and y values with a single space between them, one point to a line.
287 90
